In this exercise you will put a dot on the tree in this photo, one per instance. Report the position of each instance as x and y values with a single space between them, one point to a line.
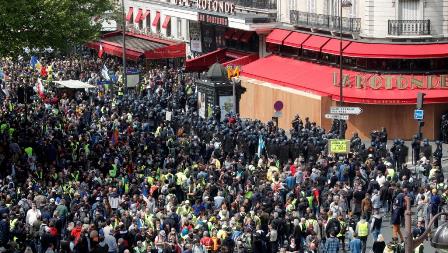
59 24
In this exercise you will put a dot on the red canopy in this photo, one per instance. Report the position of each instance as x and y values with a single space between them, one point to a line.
167 52
315 43
138 18
374 89
333 46
130 12
116 50
156 19
166 22
277 36
146 14
396 51
296 39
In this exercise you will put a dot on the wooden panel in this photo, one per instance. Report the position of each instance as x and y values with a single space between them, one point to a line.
258 103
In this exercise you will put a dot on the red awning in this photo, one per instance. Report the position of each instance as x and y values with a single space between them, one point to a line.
246 37
333 46
116 50
228 33
277 36
146 14
167 52
315 43
138 18
130 12
156 19
396 51
371 89
166 22
237 35
203 62
296 39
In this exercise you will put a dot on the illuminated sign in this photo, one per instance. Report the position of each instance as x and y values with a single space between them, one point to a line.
233 71
209 5
389 82
213 19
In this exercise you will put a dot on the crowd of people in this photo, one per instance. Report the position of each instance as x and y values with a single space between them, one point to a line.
107 171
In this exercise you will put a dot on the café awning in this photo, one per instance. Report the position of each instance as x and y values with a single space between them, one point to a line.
166 52
362 87
277 36
315 43
130 13
296 39
156 19
138 18
166 22
146 14
333 46
138 45
396 51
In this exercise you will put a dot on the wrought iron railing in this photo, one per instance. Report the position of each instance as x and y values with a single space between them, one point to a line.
409 27
325 22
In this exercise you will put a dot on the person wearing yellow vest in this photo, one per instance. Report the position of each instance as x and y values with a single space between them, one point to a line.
362 229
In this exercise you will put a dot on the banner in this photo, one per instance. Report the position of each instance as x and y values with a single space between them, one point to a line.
339 146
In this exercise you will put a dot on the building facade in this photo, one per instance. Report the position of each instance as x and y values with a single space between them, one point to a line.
399 20
204 26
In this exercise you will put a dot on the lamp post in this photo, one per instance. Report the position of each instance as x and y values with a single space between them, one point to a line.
125 79
343 3
439 240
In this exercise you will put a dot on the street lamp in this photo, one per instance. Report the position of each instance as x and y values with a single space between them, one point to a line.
125 79
343 4
438 241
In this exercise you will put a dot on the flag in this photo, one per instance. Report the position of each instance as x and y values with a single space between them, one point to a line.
34 63
105 73
40 88
115 137
261 145
43 71
100 51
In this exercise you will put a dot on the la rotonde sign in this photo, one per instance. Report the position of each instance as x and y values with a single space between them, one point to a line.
389 82
209 5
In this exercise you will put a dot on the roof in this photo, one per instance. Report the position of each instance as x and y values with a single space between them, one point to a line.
137 44
372 89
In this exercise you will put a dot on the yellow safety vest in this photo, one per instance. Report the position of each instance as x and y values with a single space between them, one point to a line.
343 228
363 229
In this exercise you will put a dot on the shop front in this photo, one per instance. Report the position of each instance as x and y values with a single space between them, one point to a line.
382 79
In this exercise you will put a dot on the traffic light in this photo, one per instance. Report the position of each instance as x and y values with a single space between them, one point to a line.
420 100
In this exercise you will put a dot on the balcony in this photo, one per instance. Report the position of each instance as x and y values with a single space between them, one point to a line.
324 22
409 27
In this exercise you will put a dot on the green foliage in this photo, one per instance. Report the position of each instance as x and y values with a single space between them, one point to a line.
59 24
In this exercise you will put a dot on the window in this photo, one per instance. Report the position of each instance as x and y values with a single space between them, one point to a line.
312 6
408 9
148 21
179 27
168 30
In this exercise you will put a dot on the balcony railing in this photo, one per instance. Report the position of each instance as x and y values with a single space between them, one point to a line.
257 4
409 27
325 22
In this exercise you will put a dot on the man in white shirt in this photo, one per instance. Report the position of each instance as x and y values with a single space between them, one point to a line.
32 215
381 179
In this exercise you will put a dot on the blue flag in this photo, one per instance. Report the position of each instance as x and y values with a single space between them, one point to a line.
261 144
34 61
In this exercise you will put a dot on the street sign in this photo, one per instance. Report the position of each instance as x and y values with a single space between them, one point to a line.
418 114
345 110
337 116
278 114
278 106
339 146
